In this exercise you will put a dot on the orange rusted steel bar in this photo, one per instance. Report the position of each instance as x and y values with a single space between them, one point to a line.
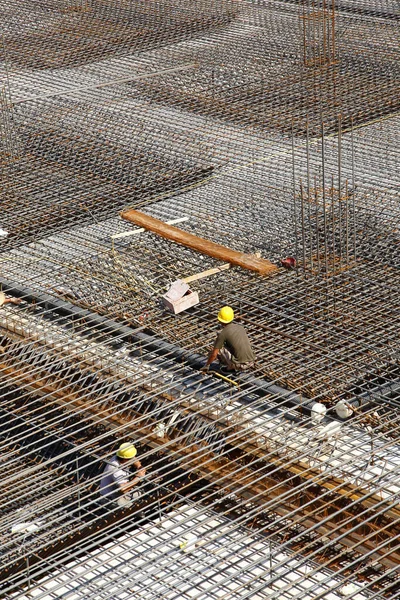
246 261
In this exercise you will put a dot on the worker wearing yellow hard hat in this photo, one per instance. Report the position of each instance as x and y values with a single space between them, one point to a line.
226 315
126 451
232 347
116 485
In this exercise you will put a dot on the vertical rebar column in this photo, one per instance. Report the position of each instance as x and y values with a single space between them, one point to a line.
309 194
294 204
324 197
353 183
319 31
303 225
333 233
317 225
340 187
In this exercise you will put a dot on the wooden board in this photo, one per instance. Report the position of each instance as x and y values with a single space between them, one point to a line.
246 261
204 274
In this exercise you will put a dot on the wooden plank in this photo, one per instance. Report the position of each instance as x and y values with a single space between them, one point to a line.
204 274
124 234
246 261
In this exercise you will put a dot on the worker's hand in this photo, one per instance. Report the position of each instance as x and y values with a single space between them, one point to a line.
205 369
12 301
141 473
15 300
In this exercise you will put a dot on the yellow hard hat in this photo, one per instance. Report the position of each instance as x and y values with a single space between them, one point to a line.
226 314
127 450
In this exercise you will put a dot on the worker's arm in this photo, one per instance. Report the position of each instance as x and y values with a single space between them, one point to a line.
211 357
219 342
126 487
12 301
141 472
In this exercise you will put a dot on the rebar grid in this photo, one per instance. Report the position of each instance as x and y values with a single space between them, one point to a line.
321 337
68 33
272 127
69 143
177 573
45 445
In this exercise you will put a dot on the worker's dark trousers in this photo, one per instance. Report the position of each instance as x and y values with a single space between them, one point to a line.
225 357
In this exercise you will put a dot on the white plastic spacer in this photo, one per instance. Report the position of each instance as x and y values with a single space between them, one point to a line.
343 409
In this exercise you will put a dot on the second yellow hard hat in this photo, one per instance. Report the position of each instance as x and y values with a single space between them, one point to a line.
126 450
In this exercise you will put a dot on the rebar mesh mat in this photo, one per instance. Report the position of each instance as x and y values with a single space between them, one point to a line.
267 127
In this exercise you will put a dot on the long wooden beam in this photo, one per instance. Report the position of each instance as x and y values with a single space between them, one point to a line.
246 261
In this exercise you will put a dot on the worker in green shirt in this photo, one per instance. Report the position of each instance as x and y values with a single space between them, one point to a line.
232 346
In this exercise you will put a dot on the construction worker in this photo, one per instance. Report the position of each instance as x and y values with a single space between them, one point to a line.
115 485
232 346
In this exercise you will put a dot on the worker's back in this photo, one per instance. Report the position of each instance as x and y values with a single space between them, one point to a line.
113 476
235 338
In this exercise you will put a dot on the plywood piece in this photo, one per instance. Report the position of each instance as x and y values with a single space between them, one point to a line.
246 261
180 297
